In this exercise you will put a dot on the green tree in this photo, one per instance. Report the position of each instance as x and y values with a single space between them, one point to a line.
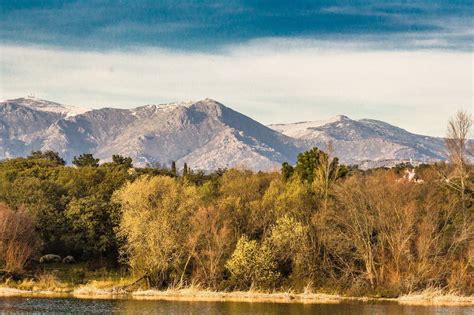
84 160
91 220
48 155
173 168
122 161
252 264
287 170
307 162
185 169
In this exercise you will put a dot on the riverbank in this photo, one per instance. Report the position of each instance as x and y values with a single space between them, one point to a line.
427 297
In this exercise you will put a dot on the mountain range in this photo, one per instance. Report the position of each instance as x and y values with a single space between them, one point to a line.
205 134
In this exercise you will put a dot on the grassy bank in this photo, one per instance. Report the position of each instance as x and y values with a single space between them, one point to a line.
114 287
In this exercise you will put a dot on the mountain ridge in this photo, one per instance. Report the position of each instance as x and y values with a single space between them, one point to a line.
205 134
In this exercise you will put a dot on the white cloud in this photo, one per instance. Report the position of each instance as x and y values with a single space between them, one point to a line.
269 80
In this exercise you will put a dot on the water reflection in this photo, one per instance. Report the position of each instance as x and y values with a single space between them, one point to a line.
69 305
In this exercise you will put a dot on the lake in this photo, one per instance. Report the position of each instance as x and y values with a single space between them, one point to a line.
128 306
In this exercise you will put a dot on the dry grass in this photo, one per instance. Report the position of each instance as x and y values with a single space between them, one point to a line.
196 293
434 296
104 287
49 286
58 281
44 282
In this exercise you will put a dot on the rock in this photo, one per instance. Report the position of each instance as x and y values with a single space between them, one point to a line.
68 260
49 258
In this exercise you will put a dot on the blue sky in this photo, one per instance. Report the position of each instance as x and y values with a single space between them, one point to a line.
207 25
406 62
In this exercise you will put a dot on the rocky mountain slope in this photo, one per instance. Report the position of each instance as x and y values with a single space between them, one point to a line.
204 134
357 141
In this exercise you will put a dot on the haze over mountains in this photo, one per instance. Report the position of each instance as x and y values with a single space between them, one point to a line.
204 134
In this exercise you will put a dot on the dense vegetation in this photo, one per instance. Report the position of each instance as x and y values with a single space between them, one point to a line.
317 224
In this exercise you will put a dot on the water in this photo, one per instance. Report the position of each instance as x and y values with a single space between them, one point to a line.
21 305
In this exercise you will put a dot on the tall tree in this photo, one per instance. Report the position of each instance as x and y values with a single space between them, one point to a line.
326 172
173 168
456 144
185 169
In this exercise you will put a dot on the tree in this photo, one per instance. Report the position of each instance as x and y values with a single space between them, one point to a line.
252 264
374 228
48 155
185 170
326 173
84 160
155 223
287 241
287 170
173 168
91 221
18 239
122 161
241 193
307 162
209 244
456 144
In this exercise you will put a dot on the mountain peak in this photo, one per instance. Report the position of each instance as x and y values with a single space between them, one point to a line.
47 106
207 104
306 129
341 117
210 100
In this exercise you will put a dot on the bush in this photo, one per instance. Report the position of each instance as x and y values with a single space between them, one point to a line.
252 265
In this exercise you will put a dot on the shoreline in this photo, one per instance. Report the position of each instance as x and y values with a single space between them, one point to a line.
197 295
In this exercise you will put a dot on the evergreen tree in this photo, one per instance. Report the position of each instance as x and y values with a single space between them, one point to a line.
85 159
173 168
121 160
185 170
287 170
48 155
307 162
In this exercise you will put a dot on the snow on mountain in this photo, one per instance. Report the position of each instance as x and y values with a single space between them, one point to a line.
47 106
365 140
305 129
205 134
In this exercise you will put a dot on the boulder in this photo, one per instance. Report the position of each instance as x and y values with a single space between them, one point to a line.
49 258
69 260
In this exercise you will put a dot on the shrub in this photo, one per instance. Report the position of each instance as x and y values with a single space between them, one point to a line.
252 264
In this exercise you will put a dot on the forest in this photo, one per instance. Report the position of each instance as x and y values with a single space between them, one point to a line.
316 224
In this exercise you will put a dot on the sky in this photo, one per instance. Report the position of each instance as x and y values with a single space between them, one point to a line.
409 63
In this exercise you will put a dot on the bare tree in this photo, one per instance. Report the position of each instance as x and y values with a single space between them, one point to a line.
208 242
457 147
18 239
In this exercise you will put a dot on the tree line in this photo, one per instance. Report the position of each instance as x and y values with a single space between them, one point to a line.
316 224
